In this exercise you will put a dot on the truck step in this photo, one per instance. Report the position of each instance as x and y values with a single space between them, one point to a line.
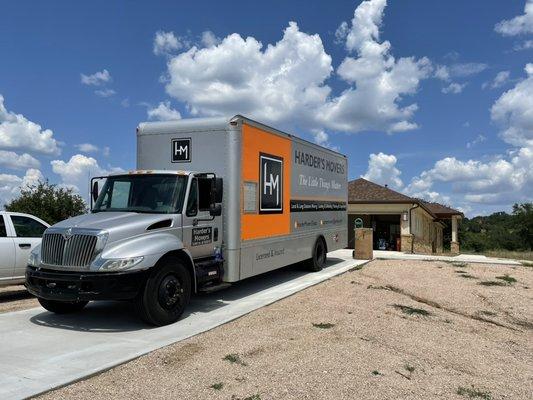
214 288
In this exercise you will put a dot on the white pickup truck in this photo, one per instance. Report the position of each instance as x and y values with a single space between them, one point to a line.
19 234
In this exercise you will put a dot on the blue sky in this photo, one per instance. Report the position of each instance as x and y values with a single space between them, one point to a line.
433 98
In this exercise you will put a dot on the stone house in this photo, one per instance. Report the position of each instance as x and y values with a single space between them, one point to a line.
399 222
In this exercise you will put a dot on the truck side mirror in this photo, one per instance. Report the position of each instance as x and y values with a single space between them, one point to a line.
94 191
215 210
219 190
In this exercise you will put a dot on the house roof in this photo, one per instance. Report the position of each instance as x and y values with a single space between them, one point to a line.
361 191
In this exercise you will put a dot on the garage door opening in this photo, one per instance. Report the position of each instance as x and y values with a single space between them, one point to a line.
386 230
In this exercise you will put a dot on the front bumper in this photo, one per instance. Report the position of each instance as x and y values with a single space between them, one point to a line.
84 286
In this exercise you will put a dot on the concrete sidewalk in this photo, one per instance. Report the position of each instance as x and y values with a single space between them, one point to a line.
40 351
471 258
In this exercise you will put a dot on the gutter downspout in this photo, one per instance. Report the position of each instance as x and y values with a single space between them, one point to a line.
415 206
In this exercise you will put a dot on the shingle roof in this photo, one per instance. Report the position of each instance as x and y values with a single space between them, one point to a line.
363 191
441 210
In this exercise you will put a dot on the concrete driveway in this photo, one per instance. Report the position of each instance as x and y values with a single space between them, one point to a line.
40 351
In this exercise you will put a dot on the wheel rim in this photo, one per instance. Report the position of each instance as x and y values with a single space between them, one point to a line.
170 294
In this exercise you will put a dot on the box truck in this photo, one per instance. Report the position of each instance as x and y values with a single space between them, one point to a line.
212 201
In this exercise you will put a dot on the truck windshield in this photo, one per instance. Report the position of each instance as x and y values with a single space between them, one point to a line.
162 194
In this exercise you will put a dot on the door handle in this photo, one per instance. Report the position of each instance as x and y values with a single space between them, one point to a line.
24 245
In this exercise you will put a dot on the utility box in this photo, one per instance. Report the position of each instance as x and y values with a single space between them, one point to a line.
363 249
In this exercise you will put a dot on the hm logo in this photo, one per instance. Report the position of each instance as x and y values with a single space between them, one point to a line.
271 174
181 150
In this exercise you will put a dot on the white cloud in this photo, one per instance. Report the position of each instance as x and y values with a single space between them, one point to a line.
13 160
500 79
106 151
525 45
78 171
105 92
467 69
87 147
341 32
454 88
97 79
163 112
166 43
285 82
17 132
10 185
513 112
382 170
518 25
479 139
209 39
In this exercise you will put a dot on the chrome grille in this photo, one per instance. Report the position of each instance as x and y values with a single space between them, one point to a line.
76 250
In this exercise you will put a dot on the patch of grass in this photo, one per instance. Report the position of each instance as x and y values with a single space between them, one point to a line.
527 263
493 283
516 255
324 325
253 397
234 359
460 271
507 278
217 386
488 313
376 373
409 368
467 276
473 393
412 310
459 264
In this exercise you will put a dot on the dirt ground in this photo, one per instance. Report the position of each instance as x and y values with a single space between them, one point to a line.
16 297
392 330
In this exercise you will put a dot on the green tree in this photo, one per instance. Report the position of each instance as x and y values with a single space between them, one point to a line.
523 214
49 202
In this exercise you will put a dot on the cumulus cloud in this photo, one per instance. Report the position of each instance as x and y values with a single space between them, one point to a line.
525 45
17 132
10 185
87 147
209 39
518 25
500 79
166 43
104 92
77 172
97 79
453 88
513 112
163 112
382 169
479 139
13 160
285 82
508 177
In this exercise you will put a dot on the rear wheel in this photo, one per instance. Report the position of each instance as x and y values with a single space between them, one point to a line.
318 259
165 294
62 307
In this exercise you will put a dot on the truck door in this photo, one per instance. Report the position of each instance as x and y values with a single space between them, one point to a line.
201 232
28 234
7 251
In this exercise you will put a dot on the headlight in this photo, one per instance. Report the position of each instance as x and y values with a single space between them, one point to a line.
33 260
121 263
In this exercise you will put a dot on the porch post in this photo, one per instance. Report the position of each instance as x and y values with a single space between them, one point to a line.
454 245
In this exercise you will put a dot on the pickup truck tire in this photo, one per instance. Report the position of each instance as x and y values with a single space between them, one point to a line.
318 259
62 307
166 293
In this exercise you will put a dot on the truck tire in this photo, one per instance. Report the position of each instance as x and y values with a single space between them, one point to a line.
166 293
318 259
62 307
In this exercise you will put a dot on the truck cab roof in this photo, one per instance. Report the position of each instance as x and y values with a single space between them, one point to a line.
154 172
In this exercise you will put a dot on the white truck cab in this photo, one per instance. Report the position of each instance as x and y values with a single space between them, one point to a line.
19 234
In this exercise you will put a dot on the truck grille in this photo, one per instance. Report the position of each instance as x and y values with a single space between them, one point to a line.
74 251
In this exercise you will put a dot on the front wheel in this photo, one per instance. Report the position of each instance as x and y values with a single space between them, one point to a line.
165 294
318 259
62 307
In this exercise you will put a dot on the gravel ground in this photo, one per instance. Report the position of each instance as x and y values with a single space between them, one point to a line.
393 330
16 297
